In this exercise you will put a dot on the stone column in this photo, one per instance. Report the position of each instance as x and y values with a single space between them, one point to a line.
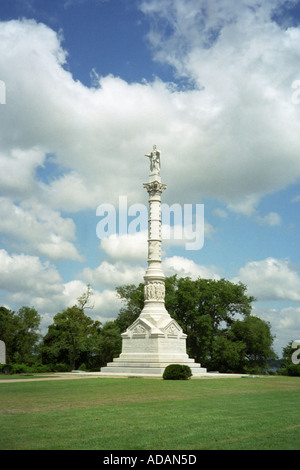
154 289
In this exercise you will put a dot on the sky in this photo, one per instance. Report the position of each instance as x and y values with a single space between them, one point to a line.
87 87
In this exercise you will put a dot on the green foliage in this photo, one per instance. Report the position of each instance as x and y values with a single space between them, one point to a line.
20 332
287 366
133 299
15 368
83 301
293 370
20 369
202 307
227 355
256 336
215 314
59 367
70 339
177 372
109 343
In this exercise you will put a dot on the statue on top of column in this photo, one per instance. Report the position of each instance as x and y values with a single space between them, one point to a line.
154 157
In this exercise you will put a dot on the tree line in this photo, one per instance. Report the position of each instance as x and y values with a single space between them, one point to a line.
216 315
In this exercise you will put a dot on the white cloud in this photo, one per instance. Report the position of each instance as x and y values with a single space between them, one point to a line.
285 325
270 279
108 274
104 305
17 170
220 213
28 281
36 229
185 267
126 246
243 64
25 276
107 305
271 219
233 137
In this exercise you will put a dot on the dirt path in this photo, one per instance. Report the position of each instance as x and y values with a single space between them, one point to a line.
93 375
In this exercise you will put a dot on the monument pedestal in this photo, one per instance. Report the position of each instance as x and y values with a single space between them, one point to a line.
154 340
148 348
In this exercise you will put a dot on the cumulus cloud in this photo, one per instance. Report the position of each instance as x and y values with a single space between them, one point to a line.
126 246
233 135
113 274
34 228
104 305
271 279
27 275
185 267
17 171
270 219
242 64
27 281
284 324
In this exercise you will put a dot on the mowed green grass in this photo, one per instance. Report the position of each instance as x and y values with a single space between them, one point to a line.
151 414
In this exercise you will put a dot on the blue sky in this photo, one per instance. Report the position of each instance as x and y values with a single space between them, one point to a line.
90 86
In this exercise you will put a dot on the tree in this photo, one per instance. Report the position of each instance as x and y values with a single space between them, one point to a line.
20 332
8 329
227 355
204 307
133 300
256 336
84 299
109 343
69 338
288 367
28 334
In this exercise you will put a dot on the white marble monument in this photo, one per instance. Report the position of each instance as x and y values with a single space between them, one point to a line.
2 353
154 340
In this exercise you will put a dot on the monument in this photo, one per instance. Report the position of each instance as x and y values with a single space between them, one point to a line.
154 340
2 353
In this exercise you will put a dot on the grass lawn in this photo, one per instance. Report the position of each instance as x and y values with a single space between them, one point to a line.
151 414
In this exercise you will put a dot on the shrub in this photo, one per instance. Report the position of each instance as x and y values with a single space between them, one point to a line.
40 368
20 369
177 372
61 367
292 370
5 368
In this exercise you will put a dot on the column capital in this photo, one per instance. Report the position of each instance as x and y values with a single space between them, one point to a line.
154 187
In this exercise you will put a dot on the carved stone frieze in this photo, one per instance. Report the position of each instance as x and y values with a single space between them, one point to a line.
154 291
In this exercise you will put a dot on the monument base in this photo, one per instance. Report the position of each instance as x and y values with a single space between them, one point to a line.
149 347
